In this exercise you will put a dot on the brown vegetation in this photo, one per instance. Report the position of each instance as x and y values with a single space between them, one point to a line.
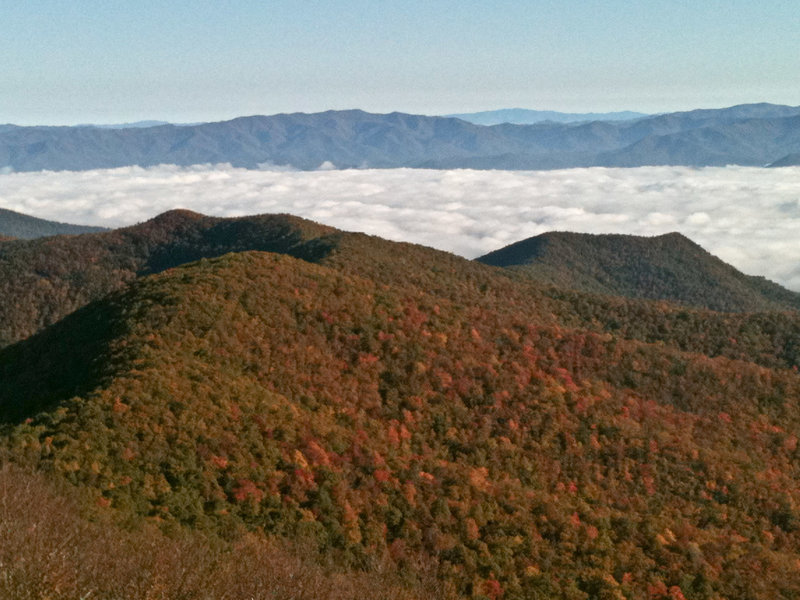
50 550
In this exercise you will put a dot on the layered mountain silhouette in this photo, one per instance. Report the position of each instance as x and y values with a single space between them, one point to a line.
790 160
131 125
17 225
667 267
379 399
757 134
44 280
522 116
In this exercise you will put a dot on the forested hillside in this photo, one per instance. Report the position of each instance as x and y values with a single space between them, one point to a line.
666 267
17 225
395 403
45 280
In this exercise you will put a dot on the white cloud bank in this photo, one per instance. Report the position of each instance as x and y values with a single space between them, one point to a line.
749 217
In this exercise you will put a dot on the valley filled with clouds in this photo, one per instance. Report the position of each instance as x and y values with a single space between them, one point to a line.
749 217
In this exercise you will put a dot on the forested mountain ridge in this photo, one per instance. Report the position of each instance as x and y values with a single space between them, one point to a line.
18 225
754 134
394 401
666 267
44 280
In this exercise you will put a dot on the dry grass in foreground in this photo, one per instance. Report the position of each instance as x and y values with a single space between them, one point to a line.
48 550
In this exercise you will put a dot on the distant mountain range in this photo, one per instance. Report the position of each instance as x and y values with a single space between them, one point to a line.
17 225
523 116
132 125
754 134
790 160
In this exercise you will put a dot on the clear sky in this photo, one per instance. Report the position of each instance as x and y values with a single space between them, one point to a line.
78 61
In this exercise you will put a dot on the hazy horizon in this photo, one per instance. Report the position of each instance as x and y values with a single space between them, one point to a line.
199 61
156 118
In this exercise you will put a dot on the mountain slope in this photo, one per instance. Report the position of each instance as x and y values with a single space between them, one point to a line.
18 225
50 549
754 142
755 134
346 138
525 458
42 281
667 267
790 160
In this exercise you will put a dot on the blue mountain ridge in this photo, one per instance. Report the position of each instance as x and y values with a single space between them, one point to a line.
753 134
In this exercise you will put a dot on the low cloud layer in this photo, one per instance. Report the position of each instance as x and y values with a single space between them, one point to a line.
749 217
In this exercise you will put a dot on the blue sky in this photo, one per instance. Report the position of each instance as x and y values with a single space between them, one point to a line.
77 61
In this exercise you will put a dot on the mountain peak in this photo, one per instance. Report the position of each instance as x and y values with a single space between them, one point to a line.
168 223
664 267
177 215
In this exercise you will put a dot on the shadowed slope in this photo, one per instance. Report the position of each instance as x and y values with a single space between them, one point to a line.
41 281
68 359
17 225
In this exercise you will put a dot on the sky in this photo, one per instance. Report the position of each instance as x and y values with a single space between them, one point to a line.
94 61
747 216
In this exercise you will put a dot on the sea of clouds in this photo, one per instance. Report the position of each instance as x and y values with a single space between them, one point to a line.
749 217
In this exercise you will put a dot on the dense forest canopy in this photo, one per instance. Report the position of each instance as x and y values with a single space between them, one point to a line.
392 404
666 267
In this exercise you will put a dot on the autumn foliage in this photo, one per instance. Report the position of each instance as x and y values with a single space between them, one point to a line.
396 404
